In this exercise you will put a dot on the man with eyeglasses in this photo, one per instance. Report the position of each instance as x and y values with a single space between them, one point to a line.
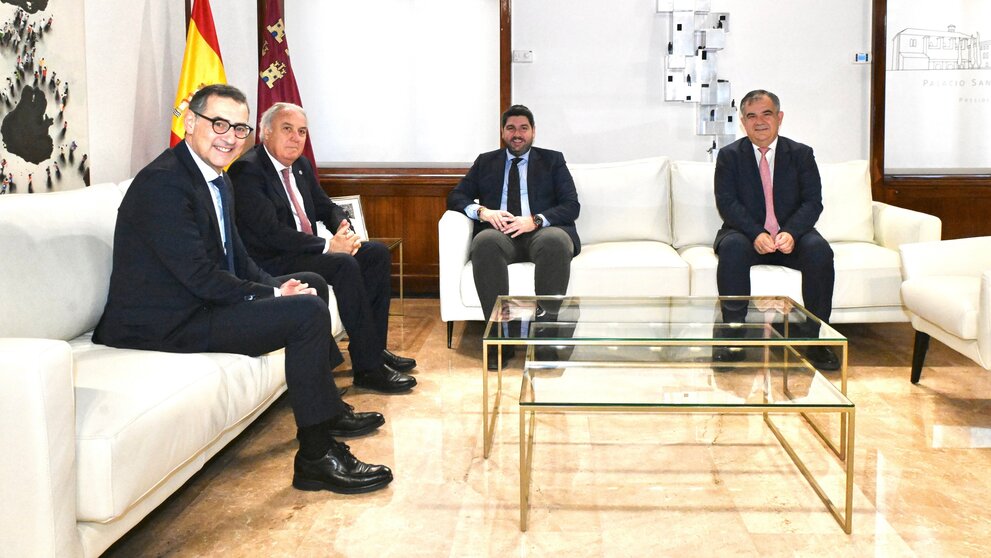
182 282
278 205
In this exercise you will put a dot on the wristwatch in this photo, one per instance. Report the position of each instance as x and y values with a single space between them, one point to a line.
538 221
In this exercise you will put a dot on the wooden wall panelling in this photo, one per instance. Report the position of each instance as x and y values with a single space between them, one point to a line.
405 203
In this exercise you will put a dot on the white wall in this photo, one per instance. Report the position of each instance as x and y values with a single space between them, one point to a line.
596 81
595 85
133 56
397 80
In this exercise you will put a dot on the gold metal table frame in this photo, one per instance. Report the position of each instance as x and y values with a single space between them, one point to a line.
394 243
843 450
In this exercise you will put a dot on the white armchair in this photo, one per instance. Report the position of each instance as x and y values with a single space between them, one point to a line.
947 293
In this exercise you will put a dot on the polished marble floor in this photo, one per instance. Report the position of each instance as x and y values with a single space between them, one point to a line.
605 485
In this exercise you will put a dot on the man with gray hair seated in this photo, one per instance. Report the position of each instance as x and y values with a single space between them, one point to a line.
769 194
278 205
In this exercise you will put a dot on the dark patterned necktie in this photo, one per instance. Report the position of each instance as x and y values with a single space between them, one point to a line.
513 203
225 211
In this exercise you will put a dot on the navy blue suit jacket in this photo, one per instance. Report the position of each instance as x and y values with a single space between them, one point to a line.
169 263
264 211
740 194
550 188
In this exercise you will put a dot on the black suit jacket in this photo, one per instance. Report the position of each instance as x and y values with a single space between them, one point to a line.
550 188
740 194
264 211
169 263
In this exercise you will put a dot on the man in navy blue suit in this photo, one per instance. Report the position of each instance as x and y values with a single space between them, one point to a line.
525 212
182 282
769 194
278 205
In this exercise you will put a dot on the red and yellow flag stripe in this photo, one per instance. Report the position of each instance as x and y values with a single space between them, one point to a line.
201 64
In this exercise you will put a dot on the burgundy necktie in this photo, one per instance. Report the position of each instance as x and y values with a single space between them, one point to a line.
304 221
770 220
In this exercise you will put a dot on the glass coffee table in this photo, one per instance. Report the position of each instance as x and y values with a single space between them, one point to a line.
670 355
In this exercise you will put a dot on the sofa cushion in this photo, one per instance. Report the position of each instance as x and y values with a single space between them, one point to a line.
693 202
606 269
623 201
867 275
66 248
951 302
142 415
847 213
629 269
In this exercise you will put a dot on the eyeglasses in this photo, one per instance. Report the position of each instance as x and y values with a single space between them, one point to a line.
220 126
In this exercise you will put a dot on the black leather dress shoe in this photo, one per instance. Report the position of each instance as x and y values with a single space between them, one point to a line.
396 362
726 355
508 352
351 423
384 380
823 358
339 471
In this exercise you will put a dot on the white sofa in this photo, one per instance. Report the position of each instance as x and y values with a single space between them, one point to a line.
647 228
94 438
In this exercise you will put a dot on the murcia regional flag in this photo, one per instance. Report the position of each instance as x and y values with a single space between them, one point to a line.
276 81
201 64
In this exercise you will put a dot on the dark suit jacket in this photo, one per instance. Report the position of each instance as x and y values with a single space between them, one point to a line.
264 211
169 264
740 194
550 188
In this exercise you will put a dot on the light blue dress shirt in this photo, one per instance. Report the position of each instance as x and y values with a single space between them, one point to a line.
472 210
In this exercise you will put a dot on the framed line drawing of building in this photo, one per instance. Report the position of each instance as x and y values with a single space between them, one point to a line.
930 106
937 85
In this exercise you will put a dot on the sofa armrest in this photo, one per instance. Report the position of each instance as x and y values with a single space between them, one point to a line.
984 320
454 240
961 256
37 434
894 226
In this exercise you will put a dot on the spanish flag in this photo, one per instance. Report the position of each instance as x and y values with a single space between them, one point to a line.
201 64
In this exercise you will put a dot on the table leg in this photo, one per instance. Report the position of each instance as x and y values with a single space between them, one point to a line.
526 465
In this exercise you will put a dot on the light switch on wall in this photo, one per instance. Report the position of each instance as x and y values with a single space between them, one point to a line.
523 56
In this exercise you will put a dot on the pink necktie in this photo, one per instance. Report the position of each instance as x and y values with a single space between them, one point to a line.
770 220
304 221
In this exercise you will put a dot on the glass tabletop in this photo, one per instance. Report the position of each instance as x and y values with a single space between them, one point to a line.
707 320
782 385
